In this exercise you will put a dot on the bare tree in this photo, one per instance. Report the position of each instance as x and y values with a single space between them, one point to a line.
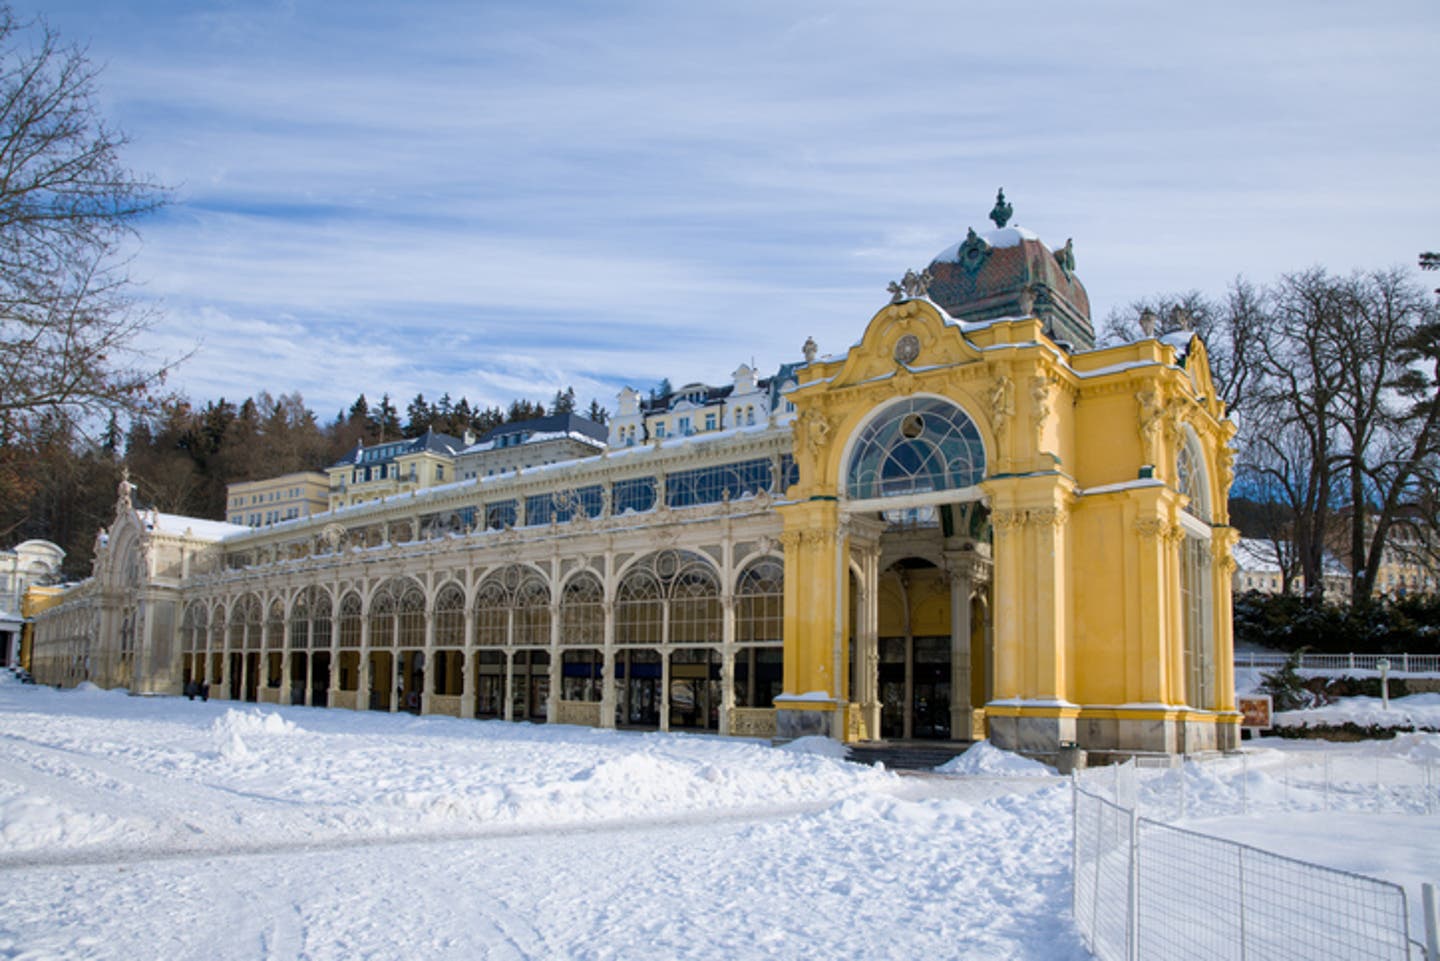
1229 329
1344 417
67 203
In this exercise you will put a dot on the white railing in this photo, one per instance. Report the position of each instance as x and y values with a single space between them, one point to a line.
1272 782
1148 891
1399 663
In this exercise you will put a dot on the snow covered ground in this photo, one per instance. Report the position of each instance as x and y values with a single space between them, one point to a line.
159 827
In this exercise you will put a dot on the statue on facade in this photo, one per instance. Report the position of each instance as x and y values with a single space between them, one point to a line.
810 350
1065 256
911 287
123 501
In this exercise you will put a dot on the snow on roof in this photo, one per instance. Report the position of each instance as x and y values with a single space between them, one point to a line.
1004 237
1256 556
179 524
1180 340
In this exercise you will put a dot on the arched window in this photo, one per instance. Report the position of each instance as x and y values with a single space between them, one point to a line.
450 617
245 623
310 619
760 603
914 446
512 607
1196 577
672 597
350 614
582 611
1190 476
193 627
275 625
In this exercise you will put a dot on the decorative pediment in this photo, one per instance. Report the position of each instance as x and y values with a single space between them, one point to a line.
910 335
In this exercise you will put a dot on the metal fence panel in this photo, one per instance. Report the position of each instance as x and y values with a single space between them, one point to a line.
1209 899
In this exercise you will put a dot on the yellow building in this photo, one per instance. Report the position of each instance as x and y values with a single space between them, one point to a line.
36 599
394 467
272 500
971 523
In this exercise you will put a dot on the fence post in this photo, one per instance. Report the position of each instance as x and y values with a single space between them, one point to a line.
1132 933
1240 859
1405 663
1075 843
1432 935
1352 661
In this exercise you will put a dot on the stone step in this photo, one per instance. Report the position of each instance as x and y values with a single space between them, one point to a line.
907 756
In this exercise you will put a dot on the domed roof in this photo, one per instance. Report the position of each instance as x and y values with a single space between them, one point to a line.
1009 272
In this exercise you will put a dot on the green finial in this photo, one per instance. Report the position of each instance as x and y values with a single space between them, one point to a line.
1001 213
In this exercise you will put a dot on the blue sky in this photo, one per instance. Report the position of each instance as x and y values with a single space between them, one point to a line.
501 199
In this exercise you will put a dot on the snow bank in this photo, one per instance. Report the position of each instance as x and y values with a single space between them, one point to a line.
30 822
1416 710
985 759
252 722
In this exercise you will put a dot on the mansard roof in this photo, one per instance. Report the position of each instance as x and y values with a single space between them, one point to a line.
555 425
430 441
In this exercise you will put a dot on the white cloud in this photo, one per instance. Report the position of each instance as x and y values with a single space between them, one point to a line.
505 198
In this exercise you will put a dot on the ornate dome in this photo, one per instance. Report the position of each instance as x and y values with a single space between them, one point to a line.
1009 272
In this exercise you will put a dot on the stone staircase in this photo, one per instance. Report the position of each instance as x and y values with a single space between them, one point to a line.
907 755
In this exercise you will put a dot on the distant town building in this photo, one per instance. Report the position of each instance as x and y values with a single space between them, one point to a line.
259 503
530 443
26 564
394 467
747 401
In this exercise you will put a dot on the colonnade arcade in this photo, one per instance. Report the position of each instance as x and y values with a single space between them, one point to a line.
665 641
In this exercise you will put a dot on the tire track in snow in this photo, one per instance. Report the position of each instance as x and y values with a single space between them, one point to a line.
132 854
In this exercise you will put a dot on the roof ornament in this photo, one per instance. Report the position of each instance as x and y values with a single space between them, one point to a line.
1182 318
911 287
973 251
1001 212
1148 322
123 502
810 350
1065 256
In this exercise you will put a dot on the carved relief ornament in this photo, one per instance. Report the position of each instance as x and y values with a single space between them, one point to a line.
1002 403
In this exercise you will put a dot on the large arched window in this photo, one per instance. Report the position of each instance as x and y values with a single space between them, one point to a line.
245 618
582 611
450 616
1190 476
672 597
512 607
760 603
1196 579
310 619
914 446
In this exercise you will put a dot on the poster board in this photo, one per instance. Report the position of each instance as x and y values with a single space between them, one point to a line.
1255 711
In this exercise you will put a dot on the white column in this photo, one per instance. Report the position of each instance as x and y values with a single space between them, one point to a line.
727 660
428 667
509 693
665 689
468 667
